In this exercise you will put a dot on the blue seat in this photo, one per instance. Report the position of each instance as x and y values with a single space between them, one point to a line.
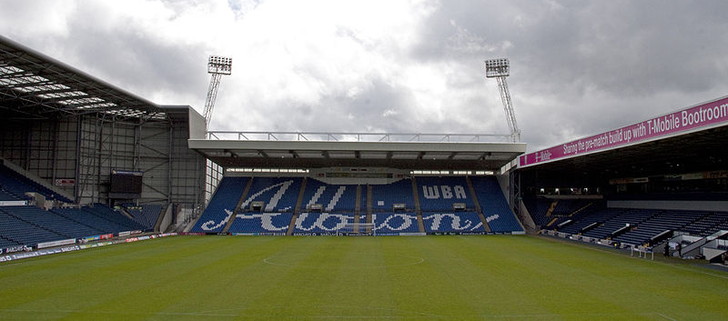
498 214
334 198
221 206
395 223
461 222
322 223
261 223
439 193
385 196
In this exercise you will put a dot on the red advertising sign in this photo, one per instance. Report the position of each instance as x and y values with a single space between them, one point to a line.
65 182
691 119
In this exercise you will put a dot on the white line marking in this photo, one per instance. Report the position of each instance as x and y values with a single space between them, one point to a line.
414 314
666 317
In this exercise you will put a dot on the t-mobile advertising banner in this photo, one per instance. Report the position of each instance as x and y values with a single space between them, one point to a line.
703 116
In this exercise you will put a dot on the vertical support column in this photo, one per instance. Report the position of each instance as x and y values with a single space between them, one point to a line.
54 150
170 163
514 195
357 209
76 186
516 200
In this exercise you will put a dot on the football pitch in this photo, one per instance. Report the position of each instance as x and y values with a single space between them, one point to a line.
358 278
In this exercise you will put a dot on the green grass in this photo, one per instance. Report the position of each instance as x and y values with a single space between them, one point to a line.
334 278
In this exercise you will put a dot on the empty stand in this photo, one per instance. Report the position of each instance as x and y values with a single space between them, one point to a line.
658 223
51 221
21 232
620 219
29 225
146 215
13 186
446 206
221 206
708 224
495 207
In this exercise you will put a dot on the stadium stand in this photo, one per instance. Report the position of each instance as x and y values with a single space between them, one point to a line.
660 222
274 196
538 207
644 224
51 221
146 215
226 197
619 219
13 186
708 224
493 203
29 225
100 217
122 222
21 232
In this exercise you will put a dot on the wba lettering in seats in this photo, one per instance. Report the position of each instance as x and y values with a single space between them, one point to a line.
444 192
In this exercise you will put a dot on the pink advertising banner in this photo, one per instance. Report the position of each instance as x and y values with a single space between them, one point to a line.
690 119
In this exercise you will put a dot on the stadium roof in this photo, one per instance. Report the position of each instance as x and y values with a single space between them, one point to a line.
434 155
693 139
33 85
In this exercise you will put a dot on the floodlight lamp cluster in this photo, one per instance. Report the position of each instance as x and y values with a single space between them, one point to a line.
220 65
499 67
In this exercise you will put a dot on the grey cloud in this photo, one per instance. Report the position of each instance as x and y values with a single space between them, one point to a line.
578 67
135 59
337 112
601 64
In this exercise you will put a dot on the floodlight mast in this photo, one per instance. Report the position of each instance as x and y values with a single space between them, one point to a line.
500 69
216 67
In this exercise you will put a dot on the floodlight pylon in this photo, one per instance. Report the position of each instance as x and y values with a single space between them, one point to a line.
500 69
216 67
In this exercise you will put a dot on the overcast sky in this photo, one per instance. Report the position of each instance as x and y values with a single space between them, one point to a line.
577 67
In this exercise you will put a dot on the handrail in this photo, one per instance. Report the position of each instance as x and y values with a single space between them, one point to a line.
355 137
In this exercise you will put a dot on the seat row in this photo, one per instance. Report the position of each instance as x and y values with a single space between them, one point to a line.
640 226
29 225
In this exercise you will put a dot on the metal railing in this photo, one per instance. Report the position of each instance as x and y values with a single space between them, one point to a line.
356 137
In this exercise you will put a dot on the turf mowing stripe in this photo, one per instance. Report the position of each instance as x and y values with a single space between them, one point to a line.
458 278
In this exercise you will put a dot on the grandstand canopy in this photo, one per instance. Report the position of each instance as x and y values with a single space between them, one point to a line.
317 154
687 141
35 86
